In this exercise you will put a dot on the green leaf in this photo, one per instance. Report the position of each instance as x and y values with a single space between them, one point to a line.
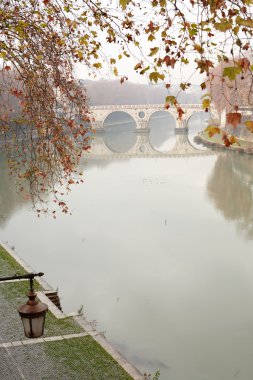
244 22
153 51
231 72
3 54
171 99
154 76
223 26
124 3
144 70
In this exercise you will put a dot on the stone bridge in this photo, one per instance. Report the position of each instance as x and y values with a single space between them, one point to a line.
142 113
143 149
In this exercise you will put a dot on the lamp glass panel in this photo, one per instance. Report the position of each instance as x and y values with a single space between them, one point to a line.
34 327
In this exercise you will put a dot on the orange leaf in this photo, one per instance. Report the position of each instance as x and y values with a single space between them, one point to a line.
234 118
249 125
212 130
226 140
180 113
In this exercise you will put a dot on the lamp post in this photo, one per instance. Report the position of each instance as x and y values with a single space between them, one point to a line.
33 313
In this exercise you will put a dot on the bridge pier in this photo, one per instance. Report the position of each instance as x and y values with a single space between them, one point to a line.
98 126
181 127
142 126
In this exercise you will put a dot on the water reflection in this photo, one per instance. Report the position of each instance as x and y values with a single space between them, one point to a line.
196 124
230 189
162 131
10 200
119 136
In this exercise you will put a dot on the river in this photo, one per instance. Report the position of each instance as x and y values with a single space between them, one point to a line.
158 250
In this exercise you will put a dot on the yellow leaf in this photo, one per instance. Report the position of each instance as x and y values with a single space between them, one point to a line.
233 140
206 103
249 125
223 26
97 65
154 76
124 3
3 54
80 55
153 51
212 130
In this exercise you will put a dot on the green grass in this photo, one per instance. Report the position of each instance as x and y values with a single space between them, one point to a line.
83 358
8 265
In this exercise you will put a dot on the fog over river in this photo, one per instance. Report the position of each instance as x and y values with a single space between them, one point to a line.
158 250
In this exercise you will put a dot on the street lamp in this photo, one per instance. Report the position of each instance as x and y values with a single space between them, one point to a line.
33 313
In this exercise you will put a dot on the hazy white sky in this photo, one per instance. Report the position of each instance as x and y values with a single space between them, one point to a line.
125 68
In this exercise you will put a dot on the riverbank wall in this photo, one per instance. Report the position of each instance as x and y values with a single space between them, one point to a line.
243 146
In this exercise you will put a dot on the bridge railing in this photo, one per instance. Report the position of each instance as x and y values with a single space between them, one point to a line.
142 106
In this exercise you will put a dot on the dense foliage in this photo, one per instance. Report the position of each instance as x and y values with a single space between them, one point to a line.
44 110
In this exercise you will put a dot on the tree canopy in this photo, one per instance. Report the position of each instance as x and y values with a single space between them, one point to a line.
44 110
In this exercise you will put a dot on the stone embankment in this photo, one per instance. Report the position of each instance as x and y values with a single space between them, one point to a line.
243 146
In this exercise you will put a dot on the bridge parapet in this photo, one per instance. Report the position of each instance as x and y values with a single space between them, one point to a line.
141 113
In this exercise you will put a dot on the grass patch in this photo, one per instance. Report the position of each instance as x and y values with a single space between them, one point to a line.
83 358
8 265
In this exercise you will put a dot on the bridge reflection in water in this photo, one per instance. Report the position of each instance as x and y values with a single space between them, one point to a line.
103 146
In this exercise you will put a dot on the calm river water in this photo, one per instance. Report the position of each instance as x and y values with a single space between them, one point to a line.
158 250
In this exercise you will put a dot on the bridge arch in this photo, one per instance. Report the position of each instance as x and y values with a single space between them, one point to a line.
127 118
164 112
192 114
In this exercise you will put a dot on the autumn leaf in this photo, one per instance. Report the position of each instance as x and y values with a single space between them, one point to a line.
223 26
212 130
143 71
169 61
154 76
80 55
233 140
234 118
153 51
180 113
138 66
3 54
231 72
244 63
171 100
249 125
248 22
226 140
97 65
124 3
206 103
